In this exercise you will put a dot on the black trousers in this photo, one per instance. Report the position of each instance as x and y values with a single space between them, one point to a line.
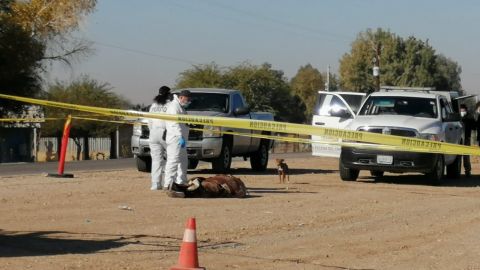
466 159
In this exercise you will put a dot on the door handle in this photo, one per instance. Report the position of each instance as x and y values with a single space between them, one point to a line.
319 123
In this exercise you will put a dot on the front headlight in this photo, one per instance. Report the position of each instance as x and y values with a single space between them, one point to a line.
137 129
211 131
429 136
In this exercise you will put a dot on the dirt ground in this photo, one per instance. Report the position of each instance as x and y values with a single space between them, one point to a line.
111 220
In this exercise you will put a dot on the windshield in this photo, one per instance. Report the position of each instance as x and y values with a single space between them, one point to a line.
411 106
209 102
353 100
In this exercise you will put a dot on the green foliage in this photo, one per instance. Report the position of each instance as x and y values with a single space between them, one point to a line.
46 19
207 75
306 83
32 32
84 91
449 73
20 63
5 6
403 62
264 88
334 81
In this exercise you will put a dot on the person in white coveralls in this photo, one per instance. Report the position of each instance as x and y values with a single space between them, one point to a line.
177 136
157 141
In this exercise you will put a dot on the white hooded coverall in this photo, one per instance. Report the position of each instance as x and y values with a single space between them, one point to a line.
177 159
157 145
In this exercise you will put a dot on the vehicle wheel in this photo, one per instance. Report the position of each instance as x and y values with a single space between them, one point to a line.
438 171
259 159
144 164
454 170
347 174
192 164
377 173
223 162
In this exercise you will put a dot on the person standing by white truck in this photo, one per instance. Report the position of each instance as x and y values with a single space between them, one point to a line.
176 138
209 143
157 142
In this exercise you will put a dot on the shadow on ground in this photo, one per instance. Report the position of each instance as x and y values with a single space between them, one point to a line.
48 243
473 181
276 191
270 171
20 244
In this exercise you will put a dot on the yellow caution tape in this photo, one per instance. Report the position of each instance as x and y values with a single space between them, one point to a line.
262 136
275 138
419 145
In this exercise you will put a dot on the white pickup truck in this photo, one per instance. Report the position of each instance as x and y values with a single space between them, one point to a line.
404 112
207 143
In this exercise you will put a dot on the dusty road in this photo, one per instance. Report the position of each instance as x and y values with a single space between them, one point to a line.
318 223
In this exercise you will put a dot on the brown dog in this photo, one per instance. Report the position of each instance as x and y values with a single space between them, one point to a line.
282 169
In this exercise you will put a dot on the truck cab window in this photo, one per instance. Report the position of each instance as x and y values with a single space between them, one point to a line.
327 103
337 105
445 108
237 102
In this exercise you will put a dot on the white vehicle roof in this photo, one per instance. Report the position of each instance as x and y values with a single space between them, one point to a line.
207 90
418 94
342 92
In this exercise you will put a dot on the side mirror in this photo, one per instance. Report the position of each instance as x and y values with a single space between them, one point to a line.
241 111
342 113
453 117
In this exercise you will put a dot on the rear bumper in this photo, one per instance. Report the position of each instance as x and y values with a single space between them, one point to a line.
362 159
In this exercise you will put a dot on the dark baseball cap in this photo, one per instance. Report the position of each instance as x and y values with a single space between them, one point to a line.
185 93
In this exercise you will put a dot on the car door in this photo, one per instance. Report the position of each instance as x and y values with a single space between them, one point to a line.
333 111
450 128
241 144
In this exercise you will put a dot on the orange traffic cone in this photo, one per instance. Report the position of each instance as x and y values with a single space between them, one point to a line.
188 258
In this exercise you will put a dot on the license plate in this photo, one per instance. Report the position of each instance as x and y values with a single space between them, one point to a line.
388 160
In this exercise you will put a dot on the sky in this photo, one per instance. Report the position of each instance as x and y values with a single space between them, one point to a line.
141 45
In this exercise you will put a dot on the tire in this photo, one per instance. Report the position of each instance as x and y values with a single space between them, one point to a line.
377 173
224 161
259 159
192 164
436 175
347 174
144 164
455 169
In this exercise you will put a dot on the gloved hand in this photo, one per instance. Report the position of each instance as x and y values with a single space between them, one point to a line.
182 142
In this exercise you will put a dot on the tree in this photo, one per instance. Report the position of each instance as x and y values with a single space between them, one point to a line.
334 81
403 62
306 84
32 32
449 73
207 75
264 88
20 64
51 22
83 91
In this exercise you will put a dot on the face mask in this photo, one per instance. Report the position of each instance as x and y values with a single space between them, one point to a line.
463 113
185 105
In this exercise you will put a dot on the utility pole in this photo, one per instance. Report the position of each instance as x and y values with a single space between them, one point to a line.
377 48
327 84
